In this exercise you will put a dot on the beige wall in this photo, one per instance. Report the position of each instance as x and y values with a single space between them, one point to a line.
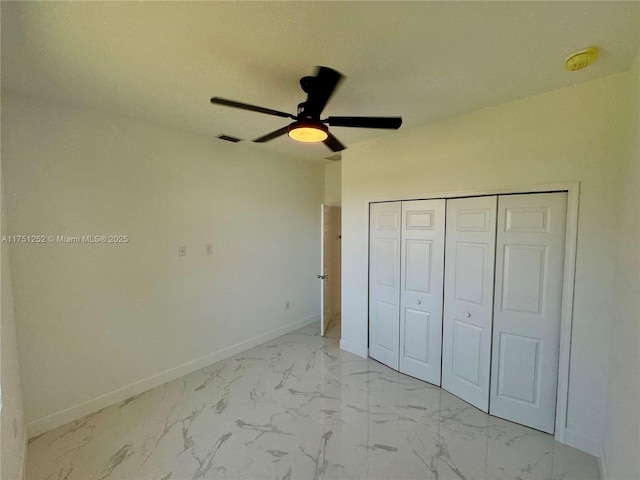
12 426
97 323
577 133
333 183
621 442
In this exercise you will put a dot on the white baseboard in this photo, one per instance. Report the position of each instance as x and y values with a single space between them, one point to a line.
602 465
355 349
582 442
80 410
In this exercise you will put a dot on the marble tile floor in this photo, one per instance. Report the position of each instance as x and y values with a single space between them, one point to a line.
298 407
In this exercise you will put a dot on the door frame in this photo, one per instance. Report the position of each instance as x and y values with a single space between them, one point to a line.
324 322
568 280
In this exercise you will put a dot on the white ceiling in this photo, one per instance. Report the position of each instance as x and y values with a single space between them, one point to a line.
422 60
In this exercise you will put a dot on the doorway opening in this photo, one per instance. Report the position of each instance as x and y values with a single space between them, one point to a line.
331 260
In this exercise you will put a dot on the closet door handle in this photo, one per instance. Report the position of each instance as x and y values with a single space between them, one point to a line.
467 314
418 302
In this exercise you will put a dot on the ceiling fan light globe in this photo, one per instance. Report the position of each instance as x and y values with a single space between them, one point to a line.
308 133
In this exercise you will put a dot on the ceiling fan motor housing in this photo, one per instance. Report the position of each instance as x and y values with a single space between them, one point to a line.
303 113
307 83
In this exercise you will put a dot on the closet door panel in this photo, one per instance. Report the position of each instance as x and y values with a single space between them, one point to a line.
421 284
468 298
529 270
384 282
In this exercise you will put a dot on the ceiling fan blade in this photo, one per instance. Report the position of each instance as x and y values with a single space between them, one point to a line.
333 143
326 81
365 122
246 106
272 135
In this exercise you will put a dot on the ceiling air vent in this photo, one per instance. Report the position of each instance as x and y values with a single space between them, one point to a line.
229 138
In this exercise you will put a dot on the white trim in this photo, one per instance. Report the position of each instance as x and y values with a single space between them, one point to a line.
566 319
602 465
582 442
547 187
355 349
324 322
566 316
80 410
23 466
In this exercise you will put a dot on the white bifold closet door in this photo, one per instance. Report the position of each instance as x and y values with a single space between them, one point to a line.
528 296
384 282
406 263
495 341
468 298
421 283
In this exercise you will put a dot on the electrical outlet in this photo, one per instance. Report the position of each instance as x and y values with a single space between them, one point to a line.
208 248
287 305
182 251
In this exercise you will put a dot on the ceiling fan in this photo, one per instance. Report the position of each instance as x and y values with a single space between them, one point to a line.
307 125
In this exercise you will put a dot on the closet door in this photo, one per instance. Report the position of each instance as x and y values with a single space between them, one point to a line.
526 326
384 282
421 283
468 298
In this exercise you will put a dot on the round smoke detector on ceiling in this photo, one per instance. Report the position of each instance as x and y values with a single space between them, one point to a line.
581 59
